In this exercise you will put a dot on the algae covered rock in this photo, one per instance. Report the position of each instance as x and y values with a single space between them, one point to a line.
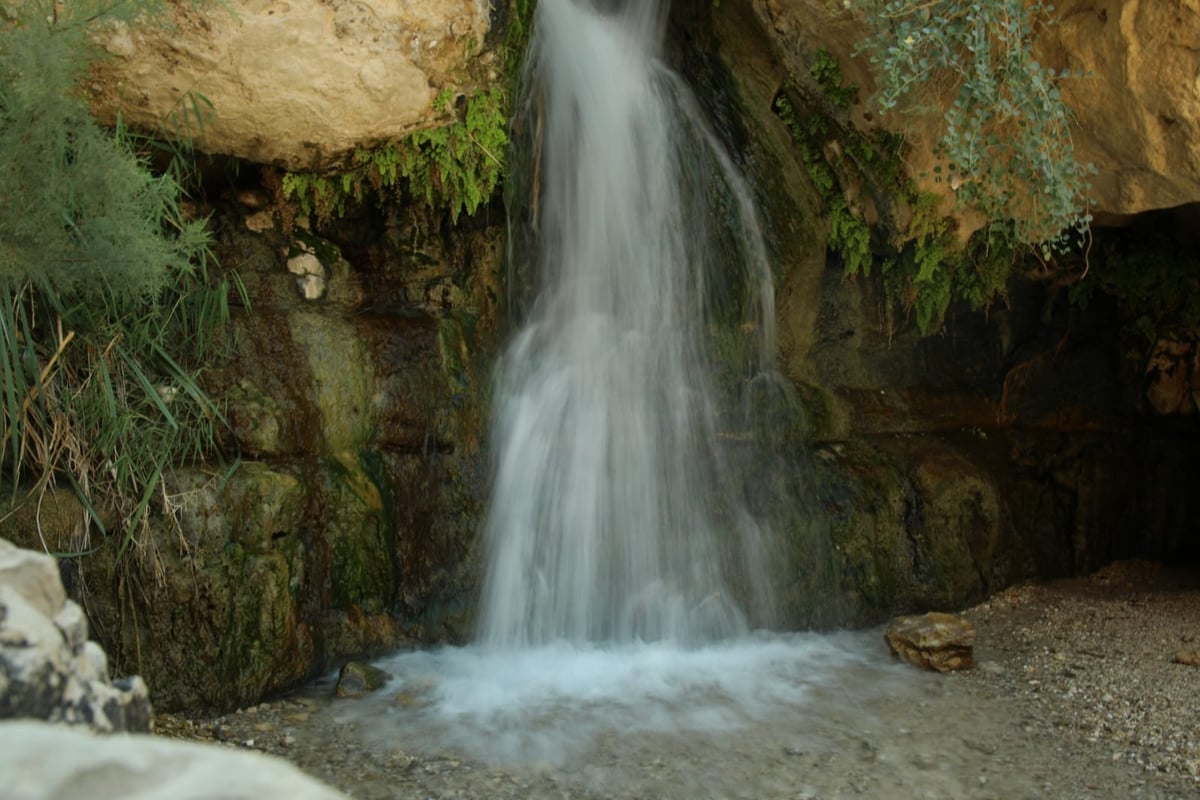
214 622
357 678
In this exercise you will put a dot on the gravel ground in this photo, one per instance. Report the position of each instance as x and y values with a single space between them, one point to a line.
1076 694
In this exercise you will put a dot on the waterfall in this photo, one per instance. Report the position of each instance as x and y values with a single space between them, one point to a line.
614 517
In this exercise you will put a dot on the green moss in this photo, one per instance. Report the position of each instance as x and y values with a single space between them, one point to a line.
849 234
455 167
520 26
359 538
864 493
924 268
827 73
344 381
818 417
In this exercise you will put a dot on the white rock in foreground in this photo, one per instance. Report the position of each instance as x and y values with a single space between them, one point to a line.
49 762
48 668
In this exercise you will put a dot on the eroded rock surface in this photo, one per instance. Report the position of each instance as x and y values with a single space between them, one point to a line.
1136 106
48 668
298 84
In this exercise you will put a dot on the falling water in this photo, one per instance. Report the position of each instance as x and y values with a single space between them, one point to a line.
624 572
614 518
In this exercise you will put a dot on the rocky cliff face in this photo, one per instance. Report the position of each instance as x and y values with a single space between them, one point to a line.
1136 102
926 471
303 84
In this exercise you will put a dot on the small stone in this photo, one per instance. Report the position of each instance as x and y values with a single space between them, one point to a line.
260 221
311 287
305 264
358 678
935 641
1190 658
252 198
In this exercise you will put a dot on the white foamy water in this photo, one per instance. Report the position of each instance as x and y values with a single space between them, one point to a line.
612 517
552 704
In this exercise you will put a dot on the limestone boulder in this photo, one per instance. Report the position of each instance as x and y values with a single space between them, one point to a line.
34 576
48 668
40 762
295 84
934 641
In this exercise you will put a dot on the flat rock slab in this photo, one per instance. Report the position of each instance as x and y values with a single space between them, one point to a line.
935 641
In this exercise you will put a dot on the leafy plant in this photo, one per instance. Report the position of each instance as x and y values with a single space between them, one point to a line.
1006 144
923 265
455 167
827 74
108 304
849 234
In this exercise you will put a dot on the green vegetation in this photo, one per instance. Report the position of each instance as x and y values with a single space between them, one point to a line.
849 233
520 26
1005 151
455 167
1006 144
913 242
108 303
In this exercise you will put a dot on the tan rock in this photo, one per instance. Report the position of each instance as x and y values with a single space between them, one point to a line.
1169 382
41 762
1137 111
1189 658
936 641
298 84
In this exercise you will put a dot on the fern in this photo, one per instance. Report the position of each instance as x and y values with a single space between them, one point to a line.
455 168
